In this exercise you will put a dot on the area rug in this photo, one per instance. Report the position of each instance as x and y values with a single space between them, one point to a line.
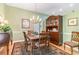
18 49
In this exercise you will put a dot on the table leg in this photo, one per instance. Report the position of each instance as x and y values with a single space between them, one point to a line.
39 48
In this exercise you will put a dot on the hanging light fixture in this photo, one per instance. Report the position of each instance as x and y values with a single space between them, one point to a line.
35 18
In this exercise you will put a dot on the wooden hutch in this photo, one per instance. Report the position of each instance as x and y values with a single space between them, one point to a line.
54 27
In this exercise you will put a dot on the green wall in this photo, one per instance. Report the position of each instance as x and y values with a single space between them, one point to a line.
2 11
67 30
15 15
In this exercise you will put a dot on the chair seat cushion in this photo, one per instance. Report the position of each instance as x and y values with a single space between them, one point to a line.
72 44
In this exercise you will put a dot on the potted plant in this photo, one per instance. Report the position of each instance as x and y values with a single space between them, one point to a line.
5 28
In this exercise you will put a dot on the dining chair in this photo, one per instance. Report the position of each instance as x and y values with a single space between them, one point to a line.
4 41
45 38
43 41
26 41
35 44
74 41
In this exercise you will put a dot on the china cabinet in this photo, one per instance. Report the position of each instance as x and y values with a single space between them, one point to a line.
54 27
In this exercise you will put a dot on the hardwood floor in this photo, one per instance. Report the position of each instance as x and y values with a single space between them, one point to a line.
3 50
67 50
19 49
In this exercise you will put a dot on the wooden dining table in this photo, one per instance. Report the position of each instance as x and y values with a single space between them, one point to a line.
35 38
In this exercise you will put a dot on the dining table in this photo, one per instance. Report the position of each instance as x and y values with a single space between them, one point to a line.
36 38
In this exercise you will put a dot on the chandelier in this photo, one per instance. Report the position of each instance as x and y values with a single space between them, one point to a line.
35 18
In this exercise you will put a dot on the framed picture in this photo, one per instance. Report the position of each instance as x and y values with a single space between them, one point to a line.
25 23
72 22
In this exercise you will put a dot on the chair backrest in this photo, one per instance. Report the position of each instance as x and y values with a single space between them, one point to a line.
24 33
44 34
25 36
75 35
4 38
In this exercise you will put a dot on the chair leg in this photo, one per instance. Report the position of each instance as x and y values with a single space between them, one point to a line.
48 42
26 47
39 48
64 46
45 42
71 50
31 52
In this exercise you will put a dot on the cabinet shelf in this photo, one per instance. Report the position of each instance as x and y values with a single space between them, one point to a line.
54 26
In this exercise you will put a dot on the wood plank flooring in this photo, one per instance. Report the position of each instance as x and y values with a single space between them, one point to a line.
67 50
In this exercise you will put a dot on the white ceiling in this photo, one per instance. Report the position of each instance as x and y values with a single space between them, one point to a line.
47 8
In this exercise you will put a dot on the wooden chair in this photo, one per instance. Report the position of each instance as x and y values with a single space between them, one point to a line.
26 41
45 39
4 41
74 41
35 43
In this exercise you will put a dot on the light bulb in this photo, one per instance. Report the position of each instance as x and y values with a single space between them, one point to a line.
30 19
40 20
37 17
